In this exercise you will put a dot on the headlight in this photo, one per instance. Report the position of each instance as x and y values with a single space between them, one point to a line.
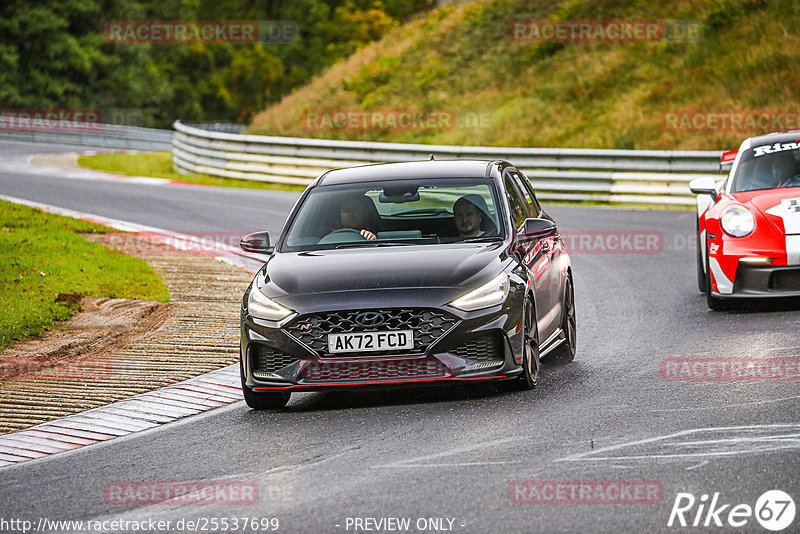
261 306
489 294
737 221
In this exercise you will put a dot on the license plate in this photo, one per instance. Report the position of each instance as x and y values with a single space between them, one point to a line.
370 341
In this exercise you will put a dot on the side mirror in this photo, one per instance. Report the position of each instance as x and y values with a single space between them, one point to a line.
257 242
537 229
705 185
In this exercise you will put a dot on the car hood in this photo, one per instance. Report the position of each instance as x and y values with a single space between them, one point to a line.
396 267
772 205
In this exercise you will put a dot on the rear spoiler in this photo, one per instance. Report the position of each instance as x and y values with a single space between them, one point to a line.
726 160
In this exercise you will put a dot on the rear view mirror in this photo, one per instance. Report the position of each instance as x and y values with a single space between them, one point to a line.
399 193
257 242
398 199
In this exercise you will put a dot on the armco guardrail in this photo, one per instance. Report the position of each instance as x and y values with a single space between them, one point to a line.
631 176
97 135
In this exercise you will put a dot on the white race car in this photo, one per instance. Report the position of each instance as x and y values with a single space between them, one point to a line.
748 226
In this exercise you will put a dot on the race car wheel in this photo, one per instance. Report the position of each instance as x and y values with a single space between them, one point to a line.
566 351
715 303
530 349
701 272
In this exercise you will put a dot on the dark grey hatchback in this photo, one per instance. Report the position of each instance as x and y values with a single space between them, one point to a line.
407 274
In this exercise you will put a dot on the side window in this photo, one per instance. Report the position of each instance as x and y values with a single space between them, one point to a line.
527 191
518 214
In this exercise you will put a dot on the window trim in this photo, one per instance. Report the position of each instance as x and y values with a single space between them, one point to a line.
497 189
508 179
523 182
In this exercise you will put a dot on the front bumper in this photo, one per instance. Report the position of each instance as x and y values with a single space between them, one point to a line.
764 281
734 275
478 346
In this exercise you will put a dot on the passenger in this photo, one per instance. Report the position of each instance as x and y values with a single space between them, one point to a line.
471 217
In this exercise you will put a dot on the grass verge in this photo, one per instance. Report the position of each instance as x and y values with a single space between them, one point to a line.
43 255
721 71
159 165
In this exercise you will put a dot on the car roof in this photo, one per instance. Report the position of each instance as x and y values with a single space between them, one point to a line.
408 170
775 137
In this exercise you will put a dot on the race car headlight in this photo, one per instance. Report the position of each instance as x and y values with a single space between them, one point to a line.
261 306
491 293
737 221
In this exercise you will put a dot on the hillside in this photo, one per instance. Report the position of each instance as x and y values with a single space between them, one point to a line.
462 61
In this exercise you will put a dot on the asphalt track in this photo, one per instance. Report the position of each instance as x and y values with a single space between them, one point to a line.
609 415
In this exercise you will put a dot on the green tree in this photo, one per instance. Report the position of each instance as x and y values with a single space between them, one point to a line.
53 54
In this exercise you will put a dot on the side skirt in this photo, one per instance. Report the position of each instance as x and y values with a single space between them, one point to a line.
556 339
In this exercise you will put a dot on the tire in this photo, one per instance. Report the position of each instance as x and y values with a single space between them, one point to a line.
714 303
701 273
565 352
530 359
266 400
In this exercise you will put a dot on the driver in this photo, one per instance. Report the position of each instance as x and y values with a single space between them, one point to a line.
354 213
471 218
784 170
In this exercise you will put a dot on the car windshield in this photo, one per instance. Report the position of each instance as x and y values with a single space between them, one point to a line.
395 213
768 167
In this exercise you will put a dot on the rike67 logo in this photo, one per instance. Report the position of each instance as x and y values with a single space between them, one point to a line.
774 510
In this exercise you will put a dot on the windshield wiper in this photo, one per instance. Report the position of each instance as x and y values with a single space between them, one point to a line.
373 243
484 239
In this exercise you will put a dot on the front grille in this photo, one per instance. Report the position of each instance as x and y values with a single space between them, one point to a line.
375 370
785 280
269 360
428 326
487 348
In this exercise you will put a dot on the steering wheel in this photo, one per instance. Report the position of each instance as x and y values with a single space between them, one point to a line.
343 235
794 181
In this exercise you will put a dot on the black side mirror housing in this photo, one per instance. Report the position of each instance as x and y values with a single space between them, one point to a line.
537 229
257 242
